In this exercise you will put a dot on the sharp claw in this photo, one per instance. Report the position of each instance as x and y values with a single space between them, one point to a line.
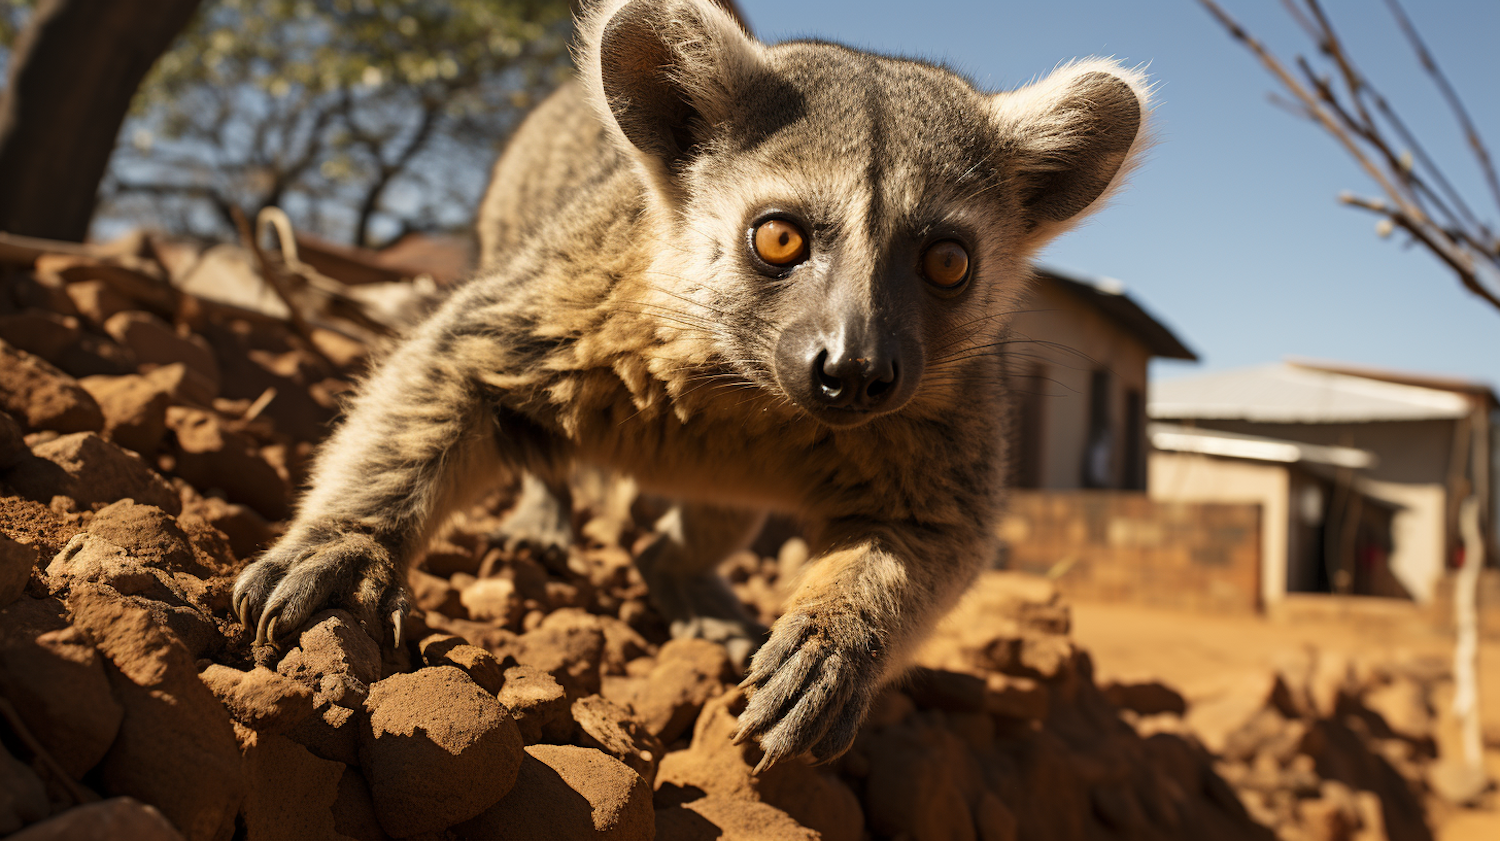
396 622
271 629
239 608
260 632
765 762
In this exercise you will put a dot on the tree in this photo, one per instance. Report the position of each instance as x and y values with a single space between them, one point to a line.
69 84
1419 196
362 119
1420 199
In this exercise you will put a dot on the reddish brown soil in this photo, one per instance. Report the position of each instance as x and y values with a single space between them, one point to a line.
542 697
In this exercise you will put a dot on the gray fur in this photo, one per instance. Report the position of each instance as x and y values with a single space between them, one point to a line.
619 321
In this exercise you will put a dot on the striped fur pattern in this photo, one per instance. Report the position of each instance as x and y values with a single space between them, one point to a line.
619 321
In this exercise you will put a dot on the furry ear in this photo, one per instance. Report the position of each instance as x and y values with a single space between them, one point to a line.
665 72
1074 135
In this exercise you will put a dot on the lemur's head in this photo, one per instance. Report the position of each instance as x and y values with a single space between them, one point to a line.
854 228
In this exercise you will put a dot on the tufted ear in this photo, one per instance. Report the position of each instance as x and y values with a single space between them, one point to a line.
665 72
1074 136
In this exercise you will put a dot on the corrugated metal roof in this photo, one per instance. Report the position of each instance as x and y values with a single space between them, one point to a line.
1282 393
1109 296
1186 439
1477 389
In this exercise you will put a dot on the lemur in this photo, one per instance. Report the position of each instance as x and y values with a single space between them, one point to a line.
755 278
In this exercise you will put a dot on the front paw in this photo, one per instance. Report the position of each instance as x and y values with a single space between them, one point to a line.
810 687
314 568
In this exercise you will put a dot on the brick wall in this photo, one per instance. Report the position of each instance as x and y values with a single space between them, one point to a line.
1122 546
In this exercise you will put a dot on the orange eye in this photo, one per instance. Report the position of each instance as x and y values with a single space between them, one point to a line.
946 265
779 242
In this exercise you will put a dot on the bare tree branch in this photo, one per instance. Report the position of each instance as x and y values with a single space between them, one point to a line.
1471 134
1414 184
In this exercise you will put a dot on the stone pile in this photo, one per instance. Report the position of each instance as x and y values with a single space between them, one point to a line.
149 442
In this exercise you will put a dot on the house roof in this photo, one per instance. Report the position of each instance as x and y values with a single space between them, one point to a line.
1186 439
1108 296
1477 389
1285 393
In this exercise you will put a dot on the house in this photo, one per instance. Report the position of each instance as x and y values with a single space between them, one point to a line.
1078 368
1355 446
1322 528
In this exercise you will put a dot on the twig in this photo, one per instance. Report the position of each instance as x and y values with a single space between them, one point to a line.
1463 243
1309 101
1463 268
1471 134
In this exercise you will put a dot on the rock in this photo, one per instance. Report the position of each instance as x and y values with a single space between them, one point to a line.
914 788
149 535
97 301
622 644
46 334
434 594
23 798
331 732
211 456
183 385
56 680
115 819
437 750
332 643
723 819
154 342
1403 706
493 600
1242 744
344 352
607 726
125 273
939 689
12 441
17 560
569 645
478 664
1042 656
289 793
57 339
260 699
211 549
247 531
687 673
92 472
1016 697
538 703
42 397
1146 698
354 809
176 747
135 410
714 766
91 559
563 791
993 820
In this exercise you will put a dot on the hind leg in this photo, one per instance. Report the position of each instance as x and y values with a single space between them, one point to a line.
679 571
542 519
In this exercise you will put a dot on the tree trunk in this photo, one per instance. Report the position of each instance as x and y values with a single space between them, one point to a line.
73 74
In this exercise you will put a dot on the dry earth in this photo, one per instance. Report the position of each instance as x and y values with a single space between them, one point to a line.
149 442
1217 661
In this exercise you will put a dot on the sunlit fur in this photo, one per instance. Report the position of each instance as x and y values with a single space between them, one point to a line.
619 320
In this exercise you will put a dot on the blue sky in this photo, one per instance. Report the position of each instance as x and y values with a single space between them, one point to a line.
1232 233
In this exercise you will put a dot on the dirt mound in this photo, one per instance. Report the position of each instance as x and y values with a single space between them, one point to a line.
149 442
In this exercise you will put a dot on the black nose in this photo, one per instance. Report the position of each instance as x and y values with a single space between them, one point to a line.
849 381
